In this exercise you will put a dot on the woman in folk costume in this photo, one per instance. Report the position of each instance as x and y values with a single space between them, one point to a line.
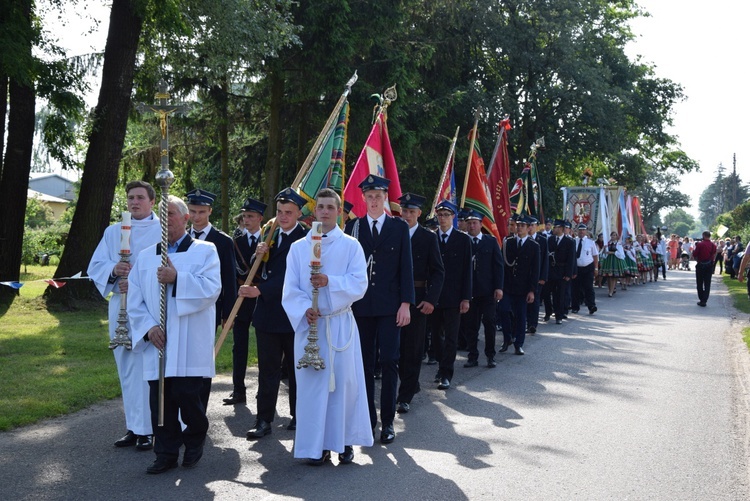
644 252
631 263
650 250
613 262
657 254
600 247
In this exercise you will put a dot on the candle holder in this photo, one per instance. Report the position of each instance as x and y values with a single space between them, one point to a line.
122 337
312 357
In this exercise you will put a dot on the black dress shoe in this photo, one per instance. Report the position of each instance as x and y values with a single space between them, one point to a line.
235 398
575 311
519 350
128 440
431 361
192 456
292 424
261 430
437 377
531 329
144 442
161 465
558 321
471 363
546 318
565 317
387 434
402 408
444 384
503 348
701 303
347 456
491 363
593 310
321 460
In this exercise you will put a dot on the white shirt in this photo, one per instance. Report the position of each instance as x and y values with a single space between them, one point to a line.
203 235
588 251
380 221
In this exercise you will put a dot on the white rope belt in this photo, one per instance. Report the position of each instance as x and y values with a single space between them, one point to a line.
333 349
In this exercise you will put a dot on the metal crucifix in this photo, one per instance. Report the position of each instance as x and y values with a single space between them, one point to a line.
164 178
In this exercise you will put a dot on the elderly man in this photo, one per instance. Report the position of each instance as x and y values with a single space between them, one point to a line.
193 282
111 275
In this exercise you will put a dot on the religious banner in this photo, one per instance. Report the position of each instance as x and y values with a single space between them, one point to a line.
582 206
478 193
498 179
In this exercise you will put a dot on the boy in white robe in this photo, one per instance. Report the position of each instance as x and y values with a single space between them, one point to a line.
111 275
332 412
193 280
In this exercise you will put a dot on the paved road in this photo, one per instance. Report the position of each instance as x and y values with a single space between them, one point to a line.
647 399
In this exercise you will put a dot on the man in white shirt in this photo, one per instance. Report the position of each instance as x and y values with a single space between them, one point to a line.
587 259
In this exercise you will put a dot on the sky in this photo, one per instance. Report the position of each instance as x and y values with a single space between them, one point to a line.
700 45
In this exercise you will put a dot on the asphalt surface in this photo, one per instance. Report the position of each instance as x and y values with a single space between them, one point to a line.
646 399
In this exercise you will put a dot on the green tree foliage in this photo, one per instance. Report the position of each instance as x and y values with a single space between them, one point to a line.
681 228
725 193
676 216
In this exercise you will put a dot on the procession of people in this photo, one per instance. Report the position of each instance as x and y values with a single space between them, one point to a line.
386 285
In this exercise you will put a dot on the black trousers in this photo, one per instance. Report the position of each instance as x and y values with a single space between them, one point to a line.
583 287
481 313
271 347
445 325
386 333
703 272
557 296
518 307
181 395
411 351
532 309
241 336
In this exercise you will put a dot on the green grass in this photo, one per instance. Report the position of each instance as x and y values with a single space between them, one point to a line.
738 293
54 363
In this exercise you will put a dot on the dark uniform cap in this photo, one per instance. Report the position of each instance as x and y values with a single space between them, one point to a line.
558 222
514 217
568 225
200 197
533 220
431 222
472 214
252 205
373 182
447 205
288 195
463 214
348 206
583 226
524 220
411 201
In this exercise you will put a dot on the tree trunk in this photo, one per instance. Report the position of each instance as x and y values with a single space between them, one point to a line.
104 153
273 159
224 142
15 174
3 108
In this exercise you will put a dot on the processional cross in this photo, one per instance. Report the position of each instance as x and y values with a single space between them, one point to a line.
164 178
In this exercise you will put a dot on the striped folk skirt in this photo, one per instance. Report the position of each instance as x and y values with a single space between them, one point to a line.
612 266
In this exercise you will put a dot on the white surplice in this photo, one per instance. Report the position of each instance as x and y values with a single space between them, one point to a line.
191 310
331 403
144 232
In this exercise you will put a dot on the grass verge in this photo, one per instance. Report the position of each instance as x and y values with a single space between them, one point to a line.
738 293
54 363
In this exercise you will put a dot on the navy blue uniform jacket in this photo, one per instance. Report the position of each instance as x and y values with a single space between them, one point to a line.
456 254
225 248
269 315
522 267
428 265
487 267
390 272
245 252
562 256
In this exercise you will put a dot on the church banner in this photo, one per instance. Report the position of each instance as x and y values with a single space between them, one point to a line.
582 206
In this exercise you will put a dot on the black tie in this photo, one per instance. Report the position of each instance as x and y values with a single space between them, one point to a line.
197 234
445 238
580 244
476 241
284 235
375 229
252 240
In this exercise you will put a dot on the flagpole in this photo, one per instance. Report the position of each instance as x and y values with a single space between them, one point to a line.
317 147
448 160
471 152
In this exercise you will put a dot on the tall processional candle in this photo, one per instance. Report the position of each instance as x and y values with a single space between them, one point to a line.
311 358
121 331
125 233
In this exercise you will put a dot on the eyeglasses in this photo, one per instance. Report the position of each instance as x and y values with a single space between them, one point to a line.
444 214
